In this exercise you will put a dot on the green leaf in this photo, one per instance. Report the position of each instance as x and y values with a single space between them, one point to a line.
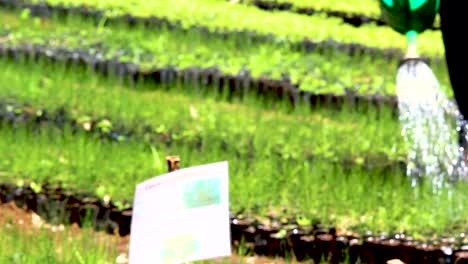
25 13
157 159
35 187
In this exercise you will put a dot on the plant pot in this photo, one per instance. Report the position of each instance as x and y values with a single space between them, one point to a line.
41 10
130 20
88 212
408 251
19 197
371 251
391 247
264 242
429 254
74 213
172 74
338 249
324 244
298 248
354 250
125 222
248 235
6 193
278 247
61 10
31 200
237 229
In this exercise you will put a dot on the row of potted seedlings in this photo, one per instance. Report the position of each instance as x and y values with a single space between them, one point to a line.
275 237
235 86
354 19
56 204
43 9
15 115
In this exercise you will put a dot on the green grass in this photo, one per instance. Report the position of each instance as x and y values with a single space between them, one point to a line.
369 8
353 200
27 238
266 181
78 161
222 15
74 246
328 71
364 7
66 246
249 127
277 175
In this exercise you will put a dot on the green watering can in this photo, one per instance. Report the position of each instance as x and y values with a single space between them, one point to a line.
410 18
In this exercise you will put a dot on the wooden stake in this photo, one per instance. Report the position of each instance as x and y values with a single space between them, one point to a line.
173 163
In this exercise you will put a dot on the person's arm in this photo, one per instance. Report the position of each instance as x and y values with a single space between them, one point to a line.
454 25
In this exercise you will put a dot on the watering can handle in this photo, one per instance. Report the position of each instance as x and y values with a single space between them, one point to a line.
412 4
409 15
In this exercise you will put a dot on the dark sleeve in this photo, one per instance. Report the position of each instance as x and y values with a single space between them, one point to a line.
454 25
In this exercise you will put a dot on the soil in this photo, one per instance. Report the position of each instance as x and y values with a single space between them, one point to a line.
29 222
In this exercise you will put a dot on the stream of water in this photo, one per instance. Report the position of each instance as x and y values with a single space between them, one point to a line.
430 123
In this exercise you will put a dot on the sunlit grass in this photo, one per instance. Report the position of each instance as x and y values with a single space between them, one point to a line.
223 15
328 71
353 199
248 126
27 244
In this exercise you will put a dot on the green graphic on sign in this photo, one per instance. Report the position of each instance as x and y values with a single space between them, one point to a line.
179 248
201 193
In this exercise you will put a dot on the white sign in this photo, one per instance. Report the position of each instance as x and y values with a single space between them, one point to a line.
182 216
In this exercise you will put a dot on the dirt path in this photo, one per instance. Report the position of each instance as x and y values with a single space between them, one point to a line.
30 223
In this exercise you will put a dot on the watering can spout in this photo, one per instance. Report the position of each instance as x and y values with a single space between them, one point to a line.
410 18
412 51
